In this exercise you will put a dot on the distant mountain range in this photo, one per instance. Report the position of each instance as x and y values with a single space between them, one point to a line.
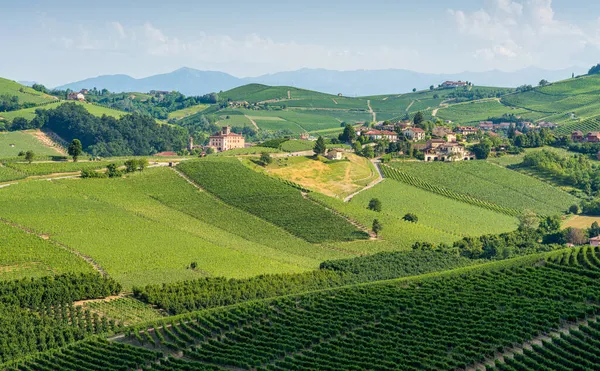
350 83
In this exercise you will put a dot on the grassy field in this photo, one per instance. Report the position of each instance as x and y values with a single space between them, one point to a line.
473 112
268 198
441 220
25 93
335 179
179 114
492 183
149 227
29 113
127 311
26 255
11 143
297 145
580 221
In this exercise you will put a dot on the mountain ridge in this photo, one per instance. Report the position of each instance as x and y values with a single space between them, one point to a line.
191 81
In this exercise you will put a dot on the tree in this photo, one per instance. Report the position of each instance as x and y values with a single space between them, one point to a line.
29 156
349 134
544 82
550 224
431 87
576 236
594 70
414 90
594 230
574 209
377 227
528 221
374 205
113 171
266 158
75 149
209 150
368 152
482 149
357 147
320 147
418 119
410 217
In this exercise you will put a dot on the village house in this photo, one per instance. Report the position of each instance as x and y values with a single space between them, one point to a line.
434 143
547 125
591 137
465 130
304 136
226 140
451 138
453 84
441 131
486 125
335 154
403 124
361 130
595 241
381 135
76 96
415 134
448 152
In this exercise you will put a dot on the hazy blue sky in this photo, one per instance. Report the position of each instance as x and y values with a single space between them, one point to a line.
60 41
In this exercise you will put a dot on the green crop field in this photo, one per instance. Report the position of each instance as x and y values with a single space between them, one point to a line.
43 168
8 174
25 255
473 112
29 113
151 226
297 145
440 219
127 311
409 324
488 182
11 143
179 114
268 198
25 93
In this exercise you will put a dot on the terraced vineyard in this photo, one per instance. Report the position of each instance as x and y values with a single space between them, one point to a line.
490 183
590 124
409 324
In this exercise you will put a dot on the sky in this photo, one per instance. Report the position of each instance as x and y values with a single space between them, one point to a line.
60 41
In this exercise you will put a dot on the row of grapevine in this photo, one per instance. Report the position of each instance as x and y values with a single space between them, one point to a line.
268 199
577 350
444 322
590 124
400 176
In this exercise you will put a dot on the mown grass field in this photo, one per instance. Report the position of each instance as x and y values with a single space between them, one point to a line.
25 93
149 227
27 255
336 178
11 143
492 183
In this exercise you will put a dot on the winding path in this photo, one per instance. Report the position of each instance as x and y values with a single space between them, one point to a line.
379 179
373 113
253 122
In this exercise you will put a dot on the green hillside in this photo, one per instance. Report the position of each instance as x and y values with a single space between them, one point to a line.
11 143
25 94
29 113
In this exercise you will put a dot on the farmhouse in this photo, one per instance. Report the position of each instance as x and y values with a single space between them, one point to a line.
591 137
486 125
381 135
441 131
415 134
577 136
449 152
76 96
434 143
226 140
465 130
453 84
451 138
547 125
335 154
595 241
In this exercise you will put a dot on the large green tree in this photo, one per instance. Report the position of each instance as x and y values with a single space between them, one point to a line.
320 147
75 149
349 134
418 119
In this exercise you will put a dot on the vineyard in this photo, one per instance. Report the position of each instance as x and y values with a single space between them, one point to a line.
590 124
43 168
205 293
443 322
491 183
269 199
400 176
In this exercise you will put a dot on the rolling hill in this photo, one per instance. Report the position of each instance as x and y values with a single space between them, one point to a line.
25 93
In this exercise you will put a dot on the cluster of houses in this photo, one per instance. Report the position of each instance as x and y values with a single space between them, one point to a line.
454 84
489 126
591 137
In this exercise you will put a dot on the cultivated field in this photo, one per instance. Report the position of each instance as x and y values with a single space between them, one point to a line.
29 113
11 143
151 226
25 94
492 183
187 111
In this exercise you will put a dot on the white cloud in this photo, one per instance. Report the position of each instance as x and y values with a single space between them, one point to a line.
518 33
